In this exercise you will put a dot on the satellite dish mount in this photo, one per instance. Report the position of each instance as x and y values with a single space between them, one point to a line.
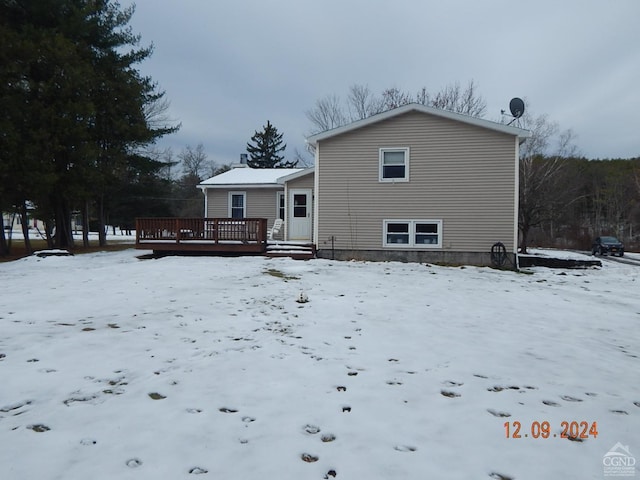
516 106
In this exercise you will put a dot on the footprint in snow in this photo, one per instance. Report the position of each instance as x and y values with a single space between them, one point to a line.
450 383
499 476
499 388
328 437
228 410
330 473
198 470
405 448
449 394
495 413
134 463
14 406
551 403
568 398
307 457
88 442
311 429
39 428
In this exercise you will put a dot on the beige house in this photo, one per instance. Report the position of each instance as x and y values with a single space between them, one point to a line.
410 184
271 193
418 184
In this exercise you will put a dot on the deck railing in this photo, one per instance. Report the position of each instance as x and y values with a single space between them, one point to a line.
204 232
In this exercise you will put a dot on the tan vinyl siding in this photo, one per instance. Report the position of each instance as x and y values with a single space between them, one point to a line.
261 202
461 174
305 181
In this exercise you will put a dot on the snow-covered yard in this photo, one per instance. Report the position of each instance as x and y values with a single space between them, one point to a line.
113 367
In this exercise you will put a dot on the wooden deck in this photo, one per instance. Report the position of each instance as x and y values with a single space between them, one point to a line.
205 235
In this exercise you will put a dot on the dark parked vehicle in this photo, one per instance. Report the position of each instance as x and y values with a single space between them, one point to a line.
606 246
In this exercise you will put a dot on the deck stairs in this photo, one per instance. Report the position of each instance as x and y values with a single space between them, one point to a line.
295 250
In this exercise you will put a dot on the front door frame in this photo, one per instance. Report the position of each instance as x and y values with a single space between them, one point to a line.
299 228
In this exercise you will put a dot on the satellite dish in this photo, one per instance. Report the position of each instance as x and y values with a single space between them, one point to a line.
516 105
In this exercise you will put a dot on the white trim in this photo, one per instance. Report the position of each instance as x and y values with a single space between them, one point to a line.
315 195
479 122
412 234
281 193
247 186
206 202
516 202
230 204
381 153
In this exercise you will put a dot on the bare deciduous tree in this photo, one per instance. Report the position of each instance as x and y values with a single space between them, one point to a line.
327 114
454 99
541 163
194 161
361 103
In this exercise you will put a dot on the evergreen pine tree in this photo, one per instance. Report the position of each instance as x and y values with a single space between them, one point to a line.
265 149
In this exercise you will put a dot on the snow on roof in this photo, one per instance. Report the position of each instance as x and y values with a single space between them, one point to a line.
249 176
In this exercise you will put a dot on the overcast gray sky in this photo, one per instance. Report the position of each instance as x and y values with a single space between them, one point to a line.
228 66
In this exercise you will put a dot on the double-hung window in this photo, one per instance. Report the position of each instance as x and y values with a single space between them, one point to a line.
412 233
237 204
394 165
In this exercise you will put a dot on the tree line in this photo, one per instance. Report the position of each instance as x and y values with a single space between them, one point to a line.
77 115
79 125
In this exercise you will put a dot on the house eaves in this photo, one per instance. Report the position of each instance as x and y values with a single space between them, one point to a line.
247 178
522 134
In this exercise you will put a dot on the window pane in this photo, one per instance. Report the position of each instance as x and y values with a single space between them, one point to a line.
427 233
237 206
237 201
393 171
397 228
300 200
426 228
281 206
398 233
393 158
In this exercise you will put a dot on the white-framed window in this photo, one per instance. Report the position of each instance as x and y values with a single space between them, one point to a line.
412 233
280 205
394 164
237 204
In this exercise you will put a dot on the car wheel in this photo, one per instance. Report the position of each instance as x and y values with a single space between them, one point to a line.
621 254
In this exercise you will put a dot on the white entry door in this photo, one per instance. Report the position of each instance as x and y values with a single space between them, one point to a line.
299 224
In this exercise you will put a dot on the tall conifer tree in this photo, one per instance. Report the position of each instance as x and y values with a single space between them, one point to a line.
266 148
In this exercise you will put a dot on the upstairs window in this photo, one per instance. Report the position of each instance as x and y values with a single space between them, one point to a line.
394 164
